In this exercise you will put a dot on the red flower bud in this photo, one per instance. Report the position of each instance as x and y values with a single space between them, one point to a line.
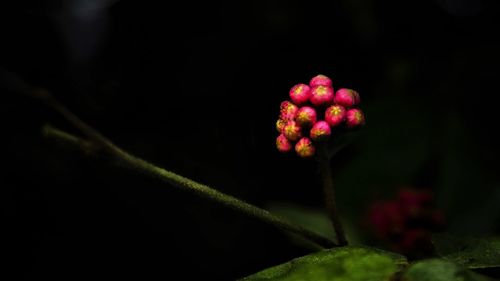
346 97
320 131
292 131
306 116
320 80
322 95
280 124
335 115
300 94
355 118
283 144
305 148
288 110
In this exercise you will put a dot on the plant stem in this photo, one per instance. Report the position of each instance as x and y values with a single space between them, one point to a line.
329 193
140 165
98 143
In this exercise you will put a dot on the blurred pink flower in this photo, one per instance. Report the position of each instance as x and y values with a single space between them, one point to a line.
407 222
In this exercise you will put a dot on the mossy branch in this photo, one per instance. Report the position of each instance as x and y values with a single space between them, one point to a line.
97 143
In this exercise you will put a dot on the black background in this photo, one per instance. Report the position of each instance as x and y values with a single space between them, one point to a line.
196 87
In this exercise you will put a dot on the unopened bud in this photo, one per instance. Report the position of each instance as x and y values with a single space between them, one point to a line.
292 131
306 116
305 148
346 97
320 131
320 80
280 124
335 115
283 144
322 95
355 118
288 110
300 94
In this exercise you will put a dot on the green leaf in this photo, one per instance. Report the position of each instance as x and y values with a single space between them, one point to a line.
349 263
440 270
469 252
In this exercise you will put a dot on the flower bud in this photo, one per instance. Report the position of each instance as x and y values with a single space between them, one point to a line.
283 144
322 95
320 80
288 110
305 148
292 131
300 94
280 124
320 131
355 118
306 116
335 115
346 97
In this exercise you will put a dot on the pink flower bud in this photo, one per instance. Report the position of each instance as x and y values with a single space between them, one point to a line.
292 131
283 144
320 131
288 110
335 115
300 94
346 97
322 95
306 116
355 118
320 80
280 124
305 148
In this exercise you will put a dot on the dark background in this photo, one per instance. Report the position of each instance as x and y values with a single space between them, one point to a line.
196 87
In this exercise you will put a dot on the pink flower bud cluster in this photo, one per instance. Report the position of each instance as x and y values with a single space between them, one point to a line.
311 114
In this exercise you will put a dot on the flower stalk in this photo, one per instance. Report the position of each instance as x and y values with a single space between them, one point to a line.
329 193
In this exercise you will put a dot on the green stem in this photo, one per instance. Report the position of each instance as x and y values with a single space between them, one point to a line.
169 177
147 168
99 143
329 193
222 198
